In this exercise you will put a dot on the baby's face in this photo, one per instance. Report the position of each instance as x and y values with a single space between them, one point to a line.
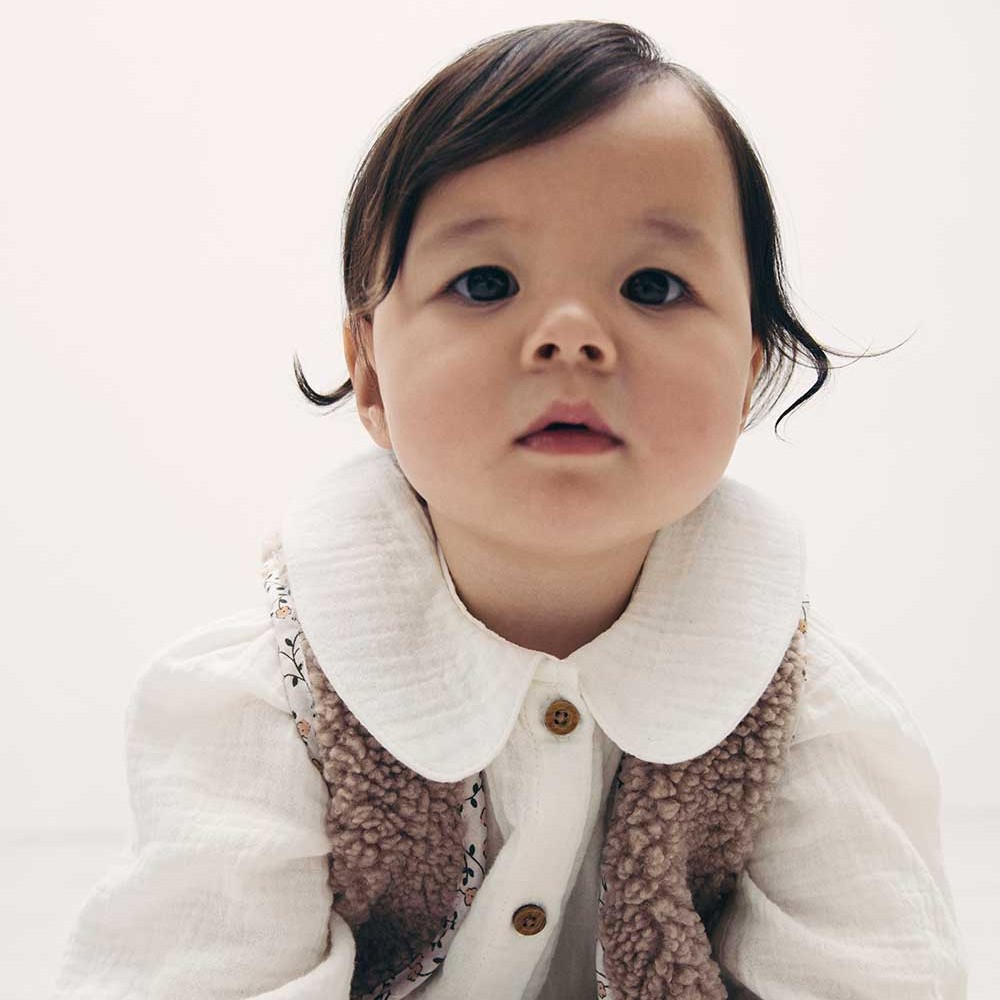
578 301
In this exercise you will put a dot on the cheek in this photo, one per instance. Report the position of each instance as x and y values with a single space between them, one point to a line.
438 401
695 403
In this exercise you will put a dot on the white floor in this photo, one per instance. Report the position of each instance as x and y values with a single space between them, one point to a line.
45 881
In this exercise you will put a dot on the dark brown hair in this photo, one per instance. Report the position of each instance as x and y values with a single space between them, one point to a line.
522 87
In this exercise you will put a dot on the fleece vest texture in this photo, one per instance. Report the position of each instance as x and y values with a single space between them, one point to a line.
678 836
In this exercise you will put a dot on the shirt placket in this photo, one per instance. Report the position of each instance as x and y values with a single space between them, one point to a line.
542 783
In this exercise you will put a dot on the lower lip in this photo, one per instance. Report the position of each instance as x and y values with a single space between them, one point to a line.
569 442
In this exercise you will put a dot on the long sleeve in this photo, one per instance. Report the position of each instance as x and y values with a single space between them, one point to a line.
224 891
845 894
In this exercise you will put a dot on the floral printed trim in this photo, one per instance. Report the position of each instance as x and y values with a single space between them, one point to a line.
302 705
289 639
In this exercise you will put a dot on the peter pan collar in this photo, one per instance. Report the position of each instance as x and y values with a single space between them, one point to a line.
714 610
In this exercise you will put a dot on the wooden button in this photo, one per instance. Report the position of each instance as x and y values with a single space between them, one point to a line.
562 717
529 919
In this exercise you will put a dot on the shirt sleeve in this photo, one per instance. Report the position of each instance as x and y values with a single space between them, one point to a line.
845 894
224 892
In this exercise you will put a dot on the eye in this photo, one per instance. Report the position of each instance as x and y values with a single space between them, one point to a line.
653 283
482 281
650 285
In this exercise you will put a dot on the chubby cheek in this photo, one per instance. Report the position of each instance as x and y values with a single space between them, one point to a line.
690 417
439 422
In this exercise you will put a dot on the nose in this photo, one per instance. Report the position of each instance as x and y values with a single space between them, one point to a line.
568 336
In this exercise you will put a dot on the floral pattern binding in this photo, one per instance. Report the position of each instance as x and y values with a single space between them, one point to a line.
302 705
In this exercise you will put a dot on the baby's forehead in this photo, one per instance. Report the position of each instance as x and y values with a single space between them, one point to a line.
665 122
654 153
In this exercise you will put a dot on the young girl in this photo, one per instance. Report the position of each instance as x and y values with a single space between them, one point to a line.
533 705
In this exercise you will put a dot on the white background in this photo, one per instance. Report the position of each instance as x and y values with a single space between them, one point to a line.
172 179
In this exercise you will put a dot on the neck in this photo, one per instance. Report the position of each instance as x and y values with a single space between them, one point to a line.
551 604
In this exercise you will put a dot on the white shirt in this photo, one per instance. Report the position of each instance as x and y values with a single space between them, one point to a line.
225 894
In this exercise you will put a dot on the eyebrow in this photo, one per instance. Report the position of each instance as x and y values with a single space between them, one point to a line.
664 225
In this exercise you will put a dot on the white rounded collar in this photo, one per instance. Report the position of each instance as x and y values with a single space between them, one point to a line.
713 611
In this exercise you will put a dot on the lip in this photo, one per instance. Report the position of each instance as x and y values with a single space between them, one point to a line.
564 412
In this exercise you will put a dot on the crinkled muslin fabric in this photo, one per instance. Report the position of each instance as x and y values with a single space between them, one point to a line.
679 837
353 790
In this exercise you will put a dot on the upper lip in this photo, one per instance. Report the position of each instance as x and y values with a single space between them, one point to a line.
571 413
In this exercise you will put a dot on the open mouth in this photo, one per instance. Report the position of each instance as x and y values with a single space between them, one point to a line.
569 438
565 417
558 427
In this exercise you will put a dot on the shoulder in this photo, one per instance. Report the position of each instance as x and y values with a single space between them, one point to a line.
232 657
847 689
216 690
210 733
855 731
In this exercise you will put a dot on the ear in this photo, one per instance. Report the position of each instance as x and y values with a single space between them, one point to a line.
756 362
365 383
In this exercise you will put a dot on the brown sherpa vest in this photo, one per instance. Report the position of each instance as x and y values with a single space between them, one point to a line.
678 837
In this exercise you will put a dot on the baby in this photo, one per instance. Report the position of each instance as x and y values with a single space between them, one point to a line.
535 706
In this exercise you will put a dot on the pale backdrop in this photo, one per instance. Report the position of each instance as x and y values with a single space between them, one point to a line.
171 190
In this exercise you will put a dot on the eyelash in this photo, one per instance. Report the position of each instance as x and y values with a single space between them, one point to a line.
688 290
